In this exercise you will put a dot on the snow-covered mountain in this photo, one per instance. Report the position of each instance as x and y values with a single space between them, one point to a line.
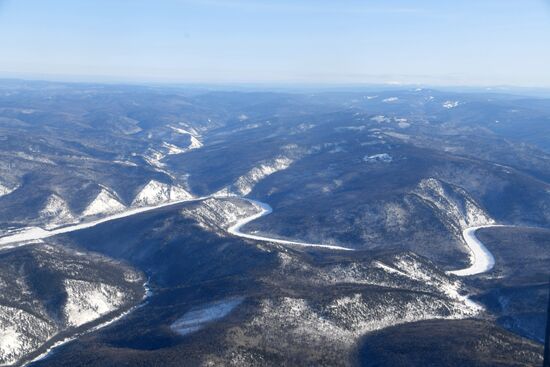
88 301
396 175
56 212
454 204
194 142
4 190
218 214
105 203
450 104
333 305
155 192
244 184
66 289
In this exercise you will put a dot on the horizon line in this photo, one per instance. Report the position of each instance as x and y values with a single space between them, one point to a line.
106 80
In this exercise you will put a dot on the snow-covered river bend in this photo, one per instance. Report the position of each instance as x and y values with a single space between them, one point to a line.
235 229
33 234
481 258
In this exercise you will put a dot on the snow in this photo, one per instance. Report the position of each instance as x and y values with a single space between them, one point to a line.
195 143
465 214
244 184
33 234
25 235
4 190
179 130
380 118
403 125
337 324
56 212
87 301
458 207
104 203
153 157
235 229
196 319
155 192
21 333
126 163
10 342
482 260
450 104
95 328
389 269
390 99
173 149
215 214
382 157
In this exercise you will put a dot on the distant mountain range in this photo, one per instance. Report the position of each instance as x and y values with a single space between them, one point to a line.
395 174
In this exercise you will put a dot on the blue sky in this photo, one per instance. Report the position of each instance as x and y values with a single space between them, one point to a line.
465 42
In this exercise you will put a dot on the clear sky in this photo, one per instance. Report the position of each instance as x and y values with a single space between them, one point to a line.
461 42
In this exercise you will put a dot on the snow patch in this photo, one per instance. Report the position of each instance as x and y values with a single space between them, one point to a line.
195 143
455 203
481 259
244 184
87 301
21 333
156 192
380 119
4 190
390 99
173 149
382 157
450 104
196 319
105 203
153 157
179 130
56 212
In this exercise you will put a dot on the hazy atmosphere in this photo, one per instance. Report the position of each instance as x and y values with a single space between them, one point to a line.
471 42
247 183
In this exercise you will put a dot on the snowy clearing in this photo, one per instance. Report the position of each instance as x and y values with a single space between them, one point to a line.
196 319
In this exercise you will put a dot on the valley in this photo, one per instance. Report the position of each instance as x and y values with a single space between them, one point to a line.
391 213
